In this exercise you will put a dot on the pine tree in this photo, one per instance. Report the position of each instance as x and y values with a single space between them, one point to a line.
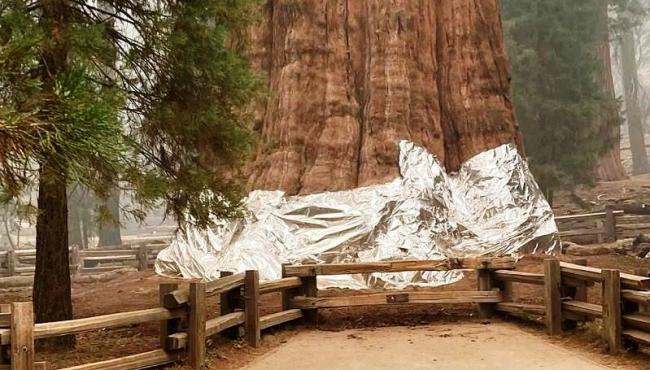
555 87
150 96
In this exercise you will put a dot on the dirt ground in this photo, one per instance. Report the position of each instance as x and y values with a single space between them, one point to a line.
139 290
446 346
584 199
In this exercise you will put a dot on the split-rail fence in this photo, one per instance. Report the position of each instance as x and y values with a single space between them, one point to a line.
602 227
86 261
184 327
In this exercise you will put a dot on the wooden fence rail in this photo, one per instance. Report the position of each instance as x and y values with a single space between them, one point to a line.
142 256
18 331
565 301
185 324
607 226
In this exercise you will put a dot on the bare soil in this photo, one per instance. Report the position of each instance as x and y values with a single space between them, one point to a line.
443 346
633 191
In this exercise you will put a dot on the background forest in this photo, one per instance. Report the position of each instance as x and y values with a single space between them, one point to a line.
579 71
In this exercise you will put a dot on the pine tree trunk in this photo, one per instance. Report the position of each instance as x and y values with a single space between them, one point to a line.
52 287
350 79
609 167
109 231
633 110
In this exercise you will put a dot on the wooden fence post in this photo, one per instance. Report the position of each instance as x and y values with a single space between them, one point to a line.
612 326
251 307
228 303
196 329
167 327
143 258
22 336
485 283
552 298
11 262
610 225
310 289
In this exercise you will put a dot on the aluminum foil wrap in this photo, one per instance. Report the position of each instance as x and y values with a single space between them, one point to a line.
492 206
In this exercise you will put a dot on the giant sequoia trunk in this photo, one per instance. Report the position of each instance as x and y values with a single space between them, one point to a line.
609 167
350 79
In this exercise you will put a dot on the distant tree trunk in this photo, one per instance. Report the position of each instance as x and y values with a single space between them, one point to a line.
87 224
75 233
632 107
109 231
353 78
609 167
52 288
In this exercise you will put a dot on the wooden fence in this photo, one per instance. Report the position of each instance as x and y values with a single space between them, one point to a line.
185 327
142 256
182 314
600 227
310 302
625 299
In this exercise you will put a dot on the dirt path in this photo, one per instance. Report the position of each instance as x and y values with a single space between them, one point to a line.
439 346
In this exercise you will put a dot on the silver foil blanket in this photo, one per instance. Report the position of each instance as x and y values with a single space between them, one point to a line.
492 206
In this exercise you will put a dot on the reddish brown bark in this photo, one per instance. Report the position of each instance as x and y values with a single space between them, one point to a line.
609 167
350 79
52 294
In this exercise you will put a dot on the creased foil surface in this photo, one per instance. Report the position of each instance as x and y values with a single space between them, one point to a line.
491 207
